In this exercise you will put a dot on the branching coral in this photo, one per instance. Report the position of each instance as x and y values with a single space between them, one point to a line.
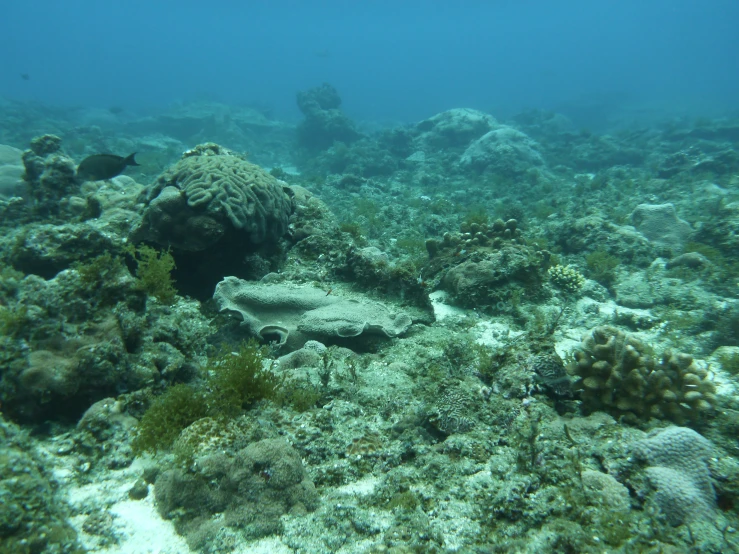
617 373
566 278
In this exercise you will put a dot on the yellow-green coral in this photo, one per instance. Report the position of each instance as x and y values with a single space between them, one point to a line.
618 374
566 278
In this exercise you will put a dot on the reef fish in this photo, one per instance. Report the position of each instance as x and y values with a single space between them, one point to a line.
103 166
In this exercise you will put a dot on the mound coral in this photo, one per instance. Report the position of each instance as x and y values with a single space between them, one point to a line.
324 122
678 470
210 193
618 374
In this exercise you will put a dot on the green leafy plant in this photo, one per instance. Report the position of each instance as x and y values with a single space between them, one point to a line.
300 396
154 273
353 228
238 378
231 381
12 319
477 215
99 276
180 406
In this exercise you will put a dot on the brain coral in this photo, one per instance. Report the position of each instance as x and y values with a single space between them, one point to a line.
678 471
210 192
618 374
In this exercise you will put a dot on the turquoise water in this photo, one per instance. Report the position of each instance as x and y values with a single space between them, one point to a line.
314 277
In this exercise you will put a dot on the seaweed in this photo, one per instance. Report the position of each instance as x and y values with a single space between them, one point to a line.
13 319
180 406
154 273
232 380
602 267
238 378
477 215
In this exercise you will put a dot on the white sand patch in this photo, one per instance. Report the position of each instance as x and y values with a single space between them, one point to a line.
137 523
442 310
495 334
143 531
363 487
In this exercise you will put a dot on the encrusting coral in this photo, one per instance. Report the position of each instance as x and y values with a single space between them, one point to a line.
618 374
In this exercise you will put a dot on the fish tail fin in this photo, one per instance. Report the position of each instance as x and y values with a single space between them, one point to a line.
130 160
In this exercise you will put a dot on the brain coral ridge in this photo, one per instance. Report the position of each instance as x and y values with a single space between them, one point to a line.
618 374
220 186
678 470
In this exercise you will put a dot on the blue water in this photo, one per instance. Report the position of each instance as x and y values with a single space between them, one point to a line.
391 61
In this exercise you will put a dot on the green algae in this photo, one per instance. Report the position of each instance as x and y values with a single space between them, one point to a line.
602 267
154 273
236 379
180 406
231 381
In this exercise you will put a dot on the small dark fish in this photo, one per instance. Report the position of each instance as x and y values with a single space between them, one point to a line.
25 76
103 166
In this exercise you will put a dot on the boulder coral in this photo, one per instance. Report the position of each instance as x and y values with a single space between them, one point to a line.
678 470
213 193
250 490
504 151
324 122
661 225
617 373
454 128
49 176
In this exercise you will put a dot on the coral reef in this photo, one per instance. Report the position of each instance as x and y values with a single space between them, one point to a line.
496 278
11 171
324 122
50 177
616 372
447 268
33 517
